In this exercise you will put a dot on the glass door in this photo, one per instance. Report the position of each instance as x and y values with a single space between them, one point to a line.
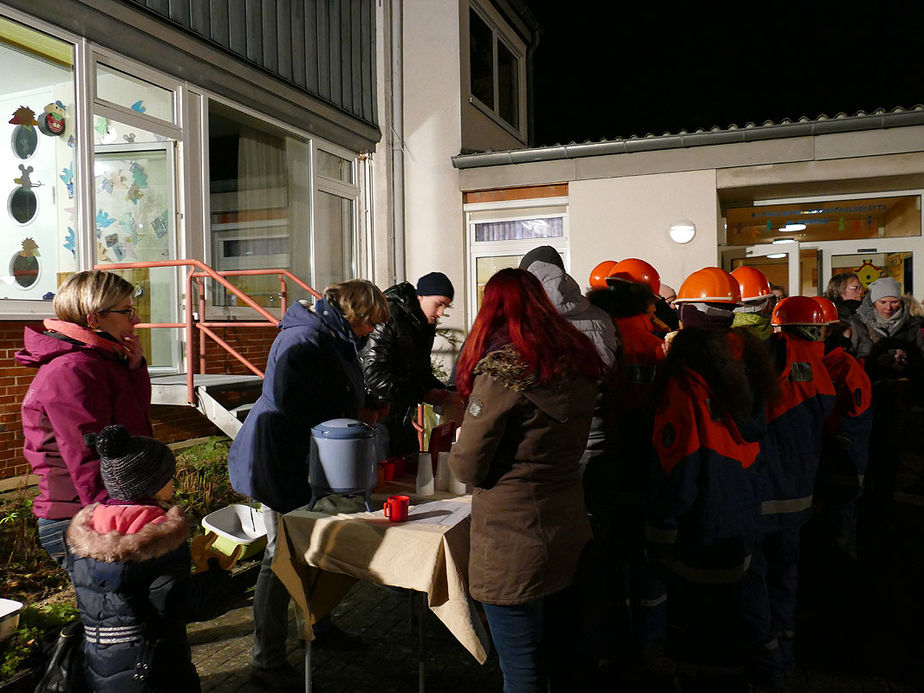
780 263
136 200
135 222
870 261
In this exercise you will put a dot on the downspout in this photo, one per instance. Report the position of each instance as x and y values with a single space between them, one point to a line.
396 45
530 94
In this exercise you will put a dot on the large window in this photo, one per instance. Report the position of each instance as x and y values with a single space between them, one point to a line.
261 201
496 68
39 243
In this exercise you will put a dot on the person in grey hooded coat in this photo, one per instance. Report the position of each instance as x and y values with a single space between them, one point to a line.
547 266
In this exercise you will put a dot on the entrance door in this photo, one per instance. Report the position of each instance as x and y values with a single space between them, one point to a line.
135 222
805 268
872 260
789 265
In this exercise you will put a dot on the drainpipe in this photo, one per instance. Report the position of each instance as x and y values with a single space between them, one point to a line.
396 135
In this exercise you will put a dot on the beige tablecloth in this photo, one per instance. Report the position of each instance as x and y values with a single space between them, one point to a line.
428 553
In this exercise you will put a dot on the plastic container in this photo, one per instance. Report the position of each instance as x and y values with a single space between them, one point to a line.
343 459
237 525
9 617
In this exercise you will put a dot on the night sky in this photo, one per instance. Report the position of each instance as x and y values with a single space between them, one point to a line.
611 70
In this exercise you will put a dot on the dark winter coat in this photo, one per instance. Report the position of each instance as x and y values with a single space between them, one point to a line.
520 446
79 389
396 362
312 375
845 451
135 595
866 330
617 481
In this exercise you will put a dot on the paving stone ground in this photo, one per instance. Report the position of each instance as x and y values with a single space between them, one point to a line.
870 640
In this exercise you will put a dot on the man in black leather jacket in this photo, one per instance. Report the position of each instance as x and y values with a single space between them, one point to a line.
396 360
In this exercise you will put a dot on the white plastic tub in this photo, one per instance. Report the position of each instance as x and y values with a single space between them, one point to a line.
237 525
9 617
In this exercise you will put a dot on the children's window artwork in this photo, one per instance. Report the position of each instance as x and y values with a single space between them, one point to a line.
133 196
38 243
24 265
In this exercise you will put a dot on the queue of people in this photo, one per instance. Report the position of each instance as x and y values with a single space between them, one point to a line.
646 463
726 444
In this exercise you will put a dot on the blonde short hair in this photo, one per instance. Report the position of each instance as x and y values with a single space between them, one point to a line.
88 292
359 298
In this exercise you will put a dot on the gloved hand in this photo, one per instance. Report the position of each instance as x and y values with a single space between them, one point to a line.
205 557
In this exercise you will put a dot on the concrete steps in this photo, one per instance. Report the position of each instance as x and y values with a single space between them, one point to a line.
217 396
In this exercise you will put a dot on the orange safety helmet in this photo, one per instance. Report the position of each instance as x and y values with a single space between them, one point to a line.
752 283
798 310
634 270
599 274
828 309
709 285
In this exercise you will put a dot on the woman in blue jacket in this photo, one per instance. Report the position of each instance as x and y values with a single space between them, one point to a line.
313 375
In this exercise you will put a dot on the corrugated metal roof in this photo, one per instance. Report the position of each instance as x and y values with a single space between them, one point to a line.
750 132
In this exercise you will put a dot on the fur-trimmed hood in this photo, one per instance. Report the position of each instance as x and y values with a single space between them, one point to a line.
508 368
153 541
506 365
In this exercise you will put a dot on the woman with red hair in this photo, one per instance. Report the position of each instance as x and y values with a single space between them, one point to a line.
529 379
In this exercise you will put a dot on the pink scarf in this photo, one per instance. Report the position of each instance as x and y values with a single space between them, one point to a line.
86 336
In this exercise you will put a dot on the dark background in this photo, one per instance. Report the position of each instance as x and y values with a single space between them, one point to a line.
612 70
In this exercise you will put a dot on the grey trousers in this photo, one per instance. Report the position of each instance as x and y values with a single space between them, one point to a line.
270 605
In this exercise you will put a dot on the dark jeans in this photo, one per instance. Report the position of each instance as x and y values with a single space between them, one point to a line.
538 644
52 537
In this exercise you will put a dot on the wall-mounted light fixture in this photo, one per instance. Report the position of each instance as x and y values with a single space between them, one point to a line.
682 231
776 256
791 226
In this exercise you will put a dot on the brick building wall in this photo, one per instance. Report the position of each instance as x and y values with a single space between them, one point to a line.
170 423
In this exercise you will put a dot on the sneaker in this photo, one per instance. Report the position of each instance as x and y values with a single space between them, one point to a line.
283 678
334 638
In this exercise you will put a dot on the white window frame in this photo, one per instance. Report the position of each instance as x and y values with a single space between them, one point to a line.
361 231
23 309
350 191
500 32
523 209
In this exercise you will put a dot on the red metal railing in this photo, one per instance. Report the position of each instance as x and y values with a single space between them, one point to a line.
197 273
195 277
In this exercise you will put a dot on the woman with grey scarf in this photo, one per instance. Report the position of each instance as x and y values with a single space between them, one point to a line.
890 341
882 315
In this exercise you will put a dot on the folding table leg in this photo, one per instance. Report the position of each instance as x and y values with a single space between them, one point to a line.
307 666
421 668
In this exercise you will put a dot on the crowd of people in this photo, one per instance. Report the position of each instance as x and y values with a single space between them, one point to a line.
650 466
732 442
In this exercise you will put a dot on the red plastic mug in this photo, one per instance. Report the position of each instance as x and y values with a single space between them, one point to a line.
396 508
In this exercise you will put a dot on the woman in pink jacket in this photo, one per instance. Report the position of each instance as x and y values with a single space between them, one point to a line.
91 373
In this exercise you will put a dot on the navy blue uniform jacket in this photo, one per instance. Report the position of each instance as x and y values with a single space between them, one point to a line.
703 517
846 447
312 375
791 451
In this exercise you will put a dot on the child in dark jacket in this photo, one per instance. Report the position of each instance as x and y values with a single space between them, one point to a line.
131 572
